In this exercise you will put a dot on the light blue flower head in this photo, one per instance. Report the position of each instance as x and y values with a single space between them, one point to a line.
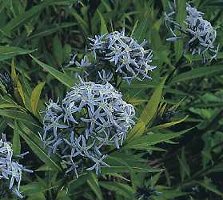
130 59
10 170
202 34
198 31
91 117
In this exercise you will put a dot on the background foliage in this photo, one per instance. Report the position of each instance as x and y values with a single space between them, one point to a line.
175 149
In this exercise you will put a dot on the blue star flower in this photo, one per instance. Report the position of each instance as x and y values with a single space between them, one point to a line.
129 58
90 117
200 33
11 170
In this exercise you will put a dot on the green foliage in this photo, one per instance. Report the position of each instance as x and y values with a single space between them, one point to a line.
173 152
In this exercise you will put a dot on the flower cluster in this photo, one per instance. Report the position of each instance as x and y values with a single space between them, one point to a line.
10 169
200 32
130 59
90 118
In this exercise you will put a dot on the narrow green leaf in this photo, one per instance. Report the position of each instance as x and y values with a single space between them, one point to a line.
103 29
197 73
16 144
148 113
151 108
210 187
120 188
7 52
63 78
17 86
180 18
21 92
83 24
184 167
45 31
181 11
124 169
169 124
138 129
35 96
141 29
155 178
134 27
57 50
123 163
151 139
170 194
94 185
16 114
8 105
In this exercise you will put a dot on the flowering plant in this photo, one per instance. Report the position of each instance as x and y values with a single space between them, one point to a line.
10 169
199 32
116 54
129 115
91 117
